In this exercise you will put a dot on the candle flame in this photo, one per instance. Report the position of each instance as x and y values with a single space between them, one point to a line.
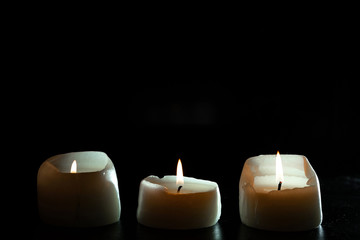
73 167
179 174
279 169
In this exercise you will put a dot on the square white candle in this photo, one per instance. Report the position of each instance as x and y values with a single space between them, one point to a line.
78 194
178 202
295 207
197 205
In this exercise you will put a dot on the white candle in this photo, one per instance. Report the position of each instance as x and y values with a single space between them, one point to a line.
178 203
78 189
295 207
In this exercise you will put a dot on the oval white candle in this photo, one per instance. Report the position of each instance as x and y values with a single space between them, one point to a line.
196 205
87 198
296 207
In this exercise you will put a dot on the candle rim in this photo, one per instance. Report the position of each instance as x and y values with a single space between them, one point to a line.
52 161
155 181
307 169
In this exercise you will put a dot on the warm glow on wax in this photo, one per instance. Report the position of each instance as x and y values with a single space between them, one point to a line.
279 169
73 167
179 174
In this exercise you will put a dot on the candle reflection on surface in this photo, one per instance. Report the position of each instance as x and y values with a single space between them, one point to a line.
210 233
113 231
245 233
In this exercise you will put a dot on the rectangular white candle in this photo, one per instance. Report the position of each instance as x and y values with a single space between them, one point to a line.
296 207
80 193
161 205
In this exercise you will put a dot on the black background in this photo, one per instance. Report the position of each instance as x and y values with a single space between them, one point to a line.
212 89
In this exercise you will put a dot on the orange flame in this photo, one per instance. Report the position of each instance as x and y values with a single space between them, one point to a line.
73 167
179 174
279 169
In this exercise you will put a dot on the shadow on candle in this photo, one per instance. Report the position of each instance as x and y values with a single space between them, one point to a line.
210 233
252 233
111 232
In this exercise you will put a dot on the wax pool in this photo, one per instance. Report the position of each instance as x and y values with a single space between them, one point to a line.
296 207
196 205
87 198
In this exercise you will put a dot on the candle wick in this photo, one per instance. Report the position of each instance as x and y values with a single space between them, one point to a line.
179 188
279 186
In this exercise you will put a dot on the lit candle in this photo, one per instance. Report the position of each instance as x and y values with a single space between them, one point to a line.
178 202
279 193
78 189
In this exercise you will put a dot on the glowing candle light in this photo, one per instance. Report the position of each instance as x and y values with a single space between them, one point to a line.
279 171
179 176
73 168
